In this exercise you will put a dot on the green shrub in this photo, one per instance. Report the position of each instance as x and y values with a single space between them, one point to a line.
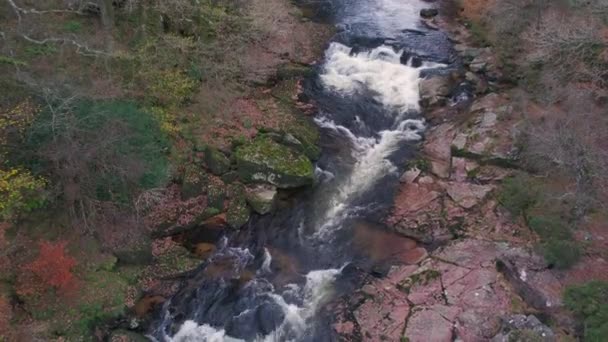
36 50
518 194
550 227
589 303
72 26
562 254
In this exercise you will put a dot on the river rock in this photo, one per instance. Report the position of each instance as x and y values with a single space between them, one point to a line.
204 250
216 161
438 148
238 212
264 160
429 12
524 328
262 198
435 89
410 175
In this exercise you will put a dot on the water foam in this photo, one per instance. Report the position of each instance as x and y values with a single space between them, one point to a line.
393 84
380 71
371 155
317 291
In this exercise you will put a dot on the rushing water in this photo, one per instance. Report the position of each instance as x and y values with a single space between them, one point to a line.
271 281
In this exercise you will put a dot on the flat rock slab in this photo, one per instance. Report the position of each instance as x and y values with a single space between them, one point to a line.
467 195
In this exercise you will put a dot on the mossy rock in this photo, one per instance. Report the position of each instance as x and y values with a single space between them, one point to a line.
122 335
216 194
284 91
194 181
177 260
291 71
264 160
238 212
306 134
230 177
216 161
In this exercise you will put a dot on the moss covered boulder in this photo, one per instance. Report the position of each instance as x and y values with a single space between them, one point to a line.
238 212
265 160
194 181
216 161
300 133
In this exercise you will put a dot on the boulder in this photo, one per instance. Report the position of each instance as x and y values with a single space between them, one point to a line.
238 212
410 175
429 12
262 198
523 328
467 195
216 161
435 89
194 180
264 160
204 250
438 149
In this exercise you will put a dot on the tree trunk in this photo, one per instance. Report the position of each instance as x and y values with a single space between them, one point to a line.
107 20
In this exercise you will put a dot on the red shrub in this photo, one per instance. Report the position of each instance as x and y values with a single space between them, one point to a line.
53 267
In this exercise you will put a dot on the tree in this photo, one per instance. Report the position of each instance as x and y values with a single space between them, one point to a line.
51 269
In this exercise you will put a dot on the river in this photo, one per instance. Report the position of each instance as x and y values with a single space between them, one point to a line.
271 281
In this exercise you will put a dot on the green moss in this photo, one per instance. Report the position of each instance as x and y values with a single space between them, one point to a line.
265 160
420 164
194 181
216 161
307 134
72 26
238 212
11 61
290 71
100 297
177 260
506 163
525 335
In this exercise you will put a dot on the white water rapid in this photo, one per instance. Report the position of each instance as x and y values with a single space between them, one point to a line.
316 291
391 83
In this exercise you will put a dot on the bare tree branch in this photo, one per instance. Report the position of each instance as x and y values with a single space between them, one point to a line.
20 10
80 48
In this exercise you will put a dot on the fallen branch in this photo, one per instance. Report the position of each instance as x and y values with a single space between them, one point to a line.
80 48
20 10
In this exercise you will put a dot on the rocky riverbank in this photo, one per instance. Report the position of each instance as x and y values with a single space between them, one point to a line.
482 279
266 139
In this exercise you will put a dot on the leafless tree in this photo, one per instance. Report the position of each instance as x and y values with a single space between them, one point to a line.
571 143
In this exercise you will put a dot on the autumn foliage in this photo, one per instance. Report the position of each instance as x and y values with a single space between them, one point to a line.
51 269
